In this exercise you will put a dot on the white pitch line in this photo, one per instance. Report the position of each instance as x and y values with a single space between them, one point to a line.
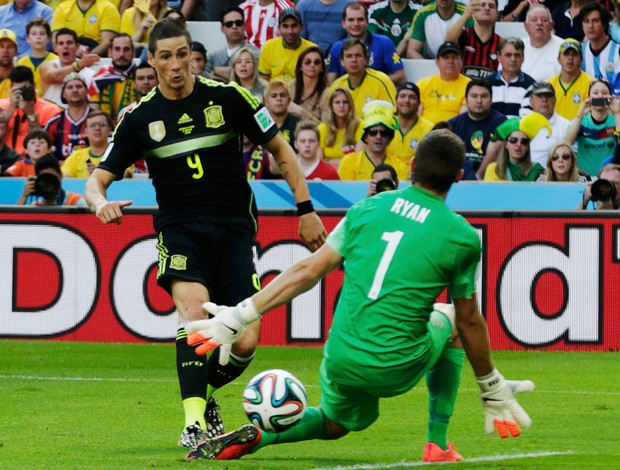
489 458
126 379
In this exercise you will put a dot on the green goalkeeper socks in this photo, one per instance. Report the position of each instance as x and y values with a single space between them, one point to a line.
311 426
443 385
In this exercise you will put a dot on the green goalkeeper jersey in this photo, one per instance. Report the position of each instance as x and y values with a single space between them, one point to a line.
401 249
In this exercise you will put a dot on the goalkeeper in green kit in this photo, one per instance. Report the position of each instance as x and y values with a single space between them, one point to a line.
401 248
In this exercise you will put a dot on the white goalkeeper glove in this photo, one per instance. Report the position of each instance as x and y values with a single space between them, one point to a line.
501 409
227 324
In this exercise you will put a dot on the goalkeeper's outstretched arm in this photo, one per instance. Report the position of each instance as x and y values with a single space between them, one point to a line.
502 411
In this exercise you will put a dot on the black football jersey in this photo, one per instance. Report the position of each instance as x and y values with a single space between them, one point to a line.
193 149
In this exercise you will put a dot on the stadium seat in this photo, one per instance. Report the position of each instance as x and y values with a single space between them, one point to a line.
208 33
415 69
510 30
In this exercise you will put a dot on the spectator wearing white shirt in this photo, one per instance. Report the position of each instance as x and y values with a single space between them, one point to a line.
541 46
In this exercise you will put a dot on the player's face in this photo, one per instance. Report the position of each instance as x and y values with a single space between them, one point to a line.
121 51
36 148
37 38
593 26
517 145
145 79
570 61
355 22
511 59
539 26
198 63
354 60
407 103
8 51
97 130
312 64
245 66
172 62
66 48
289 30
233 27
543 104
307 144
340 106
75 92
277 101
478 101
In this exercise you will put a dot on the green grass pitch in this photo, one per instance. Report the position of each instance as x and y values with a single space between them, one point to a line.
116 406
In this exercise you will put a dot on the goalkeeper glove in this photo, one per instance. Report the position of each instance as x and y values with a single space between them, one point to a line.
227 324
501 409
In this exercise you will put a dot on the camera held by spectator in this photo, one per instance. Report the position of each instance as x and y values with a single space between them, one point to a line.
384 178
605 191
45 189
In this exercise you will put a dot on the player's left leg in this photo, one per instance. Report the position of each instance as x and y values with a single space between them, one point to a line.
443 380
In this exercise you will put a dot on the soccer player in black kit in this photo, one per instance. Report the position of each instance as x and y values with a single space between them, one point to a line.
190 131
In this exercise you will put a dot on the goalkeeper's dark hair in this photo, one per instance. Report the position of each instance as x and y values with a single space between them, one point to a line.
166 29
438 159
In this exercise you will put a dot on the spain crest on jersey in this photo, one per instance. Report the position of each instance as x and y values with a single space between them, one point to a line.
214 117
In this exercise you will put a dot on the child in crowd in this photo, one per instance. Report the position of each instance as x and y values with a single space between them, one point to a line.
38 34
36 144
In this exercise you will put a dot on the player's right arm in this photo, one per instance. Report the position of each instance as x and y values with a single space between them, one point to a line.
95 193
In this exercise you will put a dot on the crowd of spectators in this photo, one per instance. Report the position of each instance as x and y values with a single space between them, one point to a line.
331 73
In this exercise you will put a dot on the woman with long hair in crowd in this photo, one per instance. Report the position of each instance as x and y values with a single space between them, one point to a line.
562 166
515 162
245 72
309 87
341 129
594 127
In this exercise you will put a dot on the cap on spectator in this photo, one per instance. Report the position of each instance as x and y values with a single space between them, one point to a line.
570 43
542 88
289 12
448 46
69 78
409 86
8 34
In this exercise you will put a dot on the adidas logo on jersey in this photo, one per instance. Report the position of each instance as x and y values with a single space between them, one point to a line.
185 119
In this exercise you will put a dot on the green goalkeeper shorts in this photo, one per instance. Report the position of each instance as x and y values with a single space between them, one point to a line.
356 408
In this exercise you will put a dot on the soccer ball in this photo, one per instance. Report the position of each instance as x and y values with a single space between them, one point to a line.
275 400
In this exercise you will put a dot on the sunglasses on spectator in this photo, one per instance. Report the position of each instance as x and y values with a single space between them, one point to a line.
566 157
375 132
310 61
237 23
514 140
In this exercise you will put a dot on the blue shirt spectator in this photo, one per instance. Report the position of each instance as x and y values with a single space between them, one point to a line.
383 55
322 21
17 14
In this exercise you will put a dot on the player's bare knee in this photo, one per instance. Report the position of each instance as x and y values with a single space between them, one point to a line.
449 311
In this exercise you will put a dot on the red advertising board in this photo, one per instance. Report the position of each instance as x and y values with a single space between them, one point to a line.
546 282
